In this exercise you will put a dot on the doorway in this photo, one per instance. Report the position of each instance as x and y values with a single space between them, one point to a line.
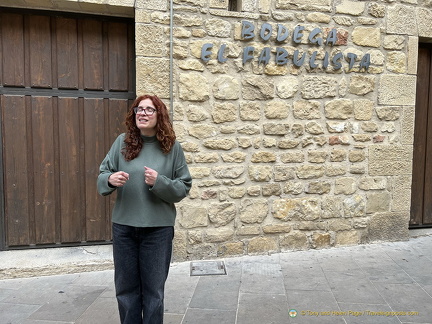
66 82
421 190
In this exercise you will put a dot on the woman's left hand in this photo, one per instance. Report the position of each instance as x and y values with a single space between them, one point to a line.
150 176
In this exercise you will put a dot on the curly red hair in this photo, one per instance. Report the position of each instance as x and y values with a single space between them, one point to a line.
164 129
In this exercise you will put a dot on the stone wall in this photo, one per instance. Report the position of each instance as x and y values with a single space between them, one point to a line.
283 157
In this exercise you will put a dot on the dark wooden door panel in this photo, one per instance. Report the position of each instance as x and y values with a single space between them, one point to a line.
70 174
40 51
44 174
94 132
16 169
421 189
427 214
67 53
118 53
12 50
76 77
93 52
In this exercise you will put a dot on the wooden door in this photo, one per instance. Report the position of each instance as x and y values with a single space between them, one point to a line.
421 191
65 85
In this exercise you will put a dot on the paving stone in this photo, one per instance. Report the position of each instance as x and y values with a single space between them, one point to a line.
208 316
262 308
319 284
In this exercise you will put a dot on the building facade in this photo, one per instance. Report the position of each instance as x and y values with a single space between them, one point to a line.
297 118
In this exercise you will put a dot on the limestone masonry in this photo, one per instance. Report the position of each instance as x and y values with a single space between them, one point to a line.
285 156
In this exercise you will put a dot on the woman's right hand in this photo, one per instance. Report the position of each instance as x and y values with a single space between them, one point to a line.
118 179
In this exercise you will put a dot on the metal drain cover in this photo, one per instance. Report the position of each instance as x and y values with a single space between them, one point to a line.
206 268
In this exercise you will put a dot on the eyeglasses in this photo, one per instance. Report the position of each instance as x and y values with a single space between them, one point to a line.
148 111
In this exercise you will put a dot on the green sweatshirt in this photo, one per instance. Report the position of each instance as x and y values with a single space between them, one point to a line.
138 204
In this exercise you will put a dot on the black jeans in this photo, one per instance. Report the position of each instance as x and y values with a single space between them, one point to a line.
142 257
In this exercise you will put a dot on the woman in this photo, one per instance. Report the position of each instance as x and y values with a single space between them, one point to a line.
147 167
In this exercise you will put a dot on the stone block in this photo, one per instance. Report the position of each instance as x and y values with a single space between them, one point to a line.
247 230
231 249
394 42
219 4
275 129
314 128
250 110
377 10
362 84
318 17
260 173
354 8
150 40
218 27
401 193
277 228
234 157
335 170
294 241
318 187
356 156
311 5
193 216
346 238
226 88
193 87
220 144
300 209
158 69
276 109
407 126
224 112
263 157
339 224
372 183
389 226
339 109
345 186
354 206
253 210
388 113
179 246
257 88
287 87
218 235
201 131
396 62
162 5
338 155
366 36
293 187
288 143
332 207
397 90
221 214
401 20
318 87
321 240
378 202
310 171
386 160
228 171
424 18
337 127
262 245
412 55
317 156
307 109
